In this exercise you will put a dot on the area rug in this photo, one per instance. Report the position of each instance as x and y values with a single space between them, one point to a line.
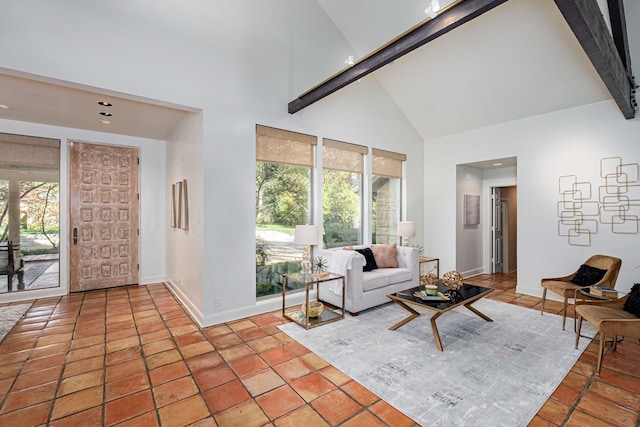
490 374
9 316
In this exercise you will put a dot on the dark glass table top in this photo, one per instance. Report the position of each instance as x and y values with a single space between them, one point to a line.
465 294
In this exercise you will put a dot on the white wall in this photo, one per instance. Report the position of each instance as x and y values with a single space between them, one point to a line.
568 142
469 237
184 248
152 200
254 59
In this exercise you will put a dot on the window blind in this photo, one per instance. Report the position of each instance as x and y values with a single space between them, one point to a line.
28 151
285 147
343 156
387 163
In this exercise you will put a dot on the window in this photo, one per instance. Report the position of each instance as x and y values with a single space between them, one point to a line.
343 166
386 189
284 161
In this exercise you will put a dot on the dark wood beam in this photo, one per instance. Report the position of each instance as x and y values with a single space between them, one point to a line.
413 39
619 31
587 23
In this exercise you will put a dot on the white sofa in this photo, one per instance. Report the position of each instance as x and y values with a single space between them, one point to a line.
370 288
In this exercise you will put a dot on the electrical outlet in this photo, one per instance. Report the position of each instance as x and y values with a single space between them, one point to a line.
216 301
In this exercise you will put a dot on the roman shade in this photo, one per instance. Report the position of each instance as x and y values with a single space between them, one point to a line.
29 152
343 156
285 147
387 163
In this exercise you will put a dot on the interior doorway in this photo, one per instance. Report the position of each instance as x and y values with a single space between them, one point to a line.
504 230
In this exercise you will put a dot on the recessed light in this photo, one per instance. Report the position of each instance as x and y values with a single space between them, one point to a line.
4 107
105 103
497 164
105 122
102 113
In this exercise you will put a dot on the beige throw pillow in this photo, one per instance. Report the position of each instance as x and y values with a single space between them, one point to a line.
385 255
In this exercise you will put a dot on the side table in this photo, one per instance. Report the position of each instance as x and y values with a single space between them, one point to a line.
425 260
309 281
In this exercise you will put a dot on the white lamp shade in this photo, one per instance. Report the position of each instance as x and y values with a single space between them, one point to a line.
406 229
306 235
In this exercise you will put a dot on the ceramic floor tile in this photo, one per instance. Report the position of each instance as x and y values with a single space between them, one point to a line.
390 415
225 341
125 386
28 397
173 391
80 382
77 402
277 355
359 393
262 382
148 419
249 412
263 344
279 402
184 412
204 361
225 396
213 377
304 416
191 338
90 417
606 410
293 369
158 346
128 407
123 370
554 411
168 373
32 416
365 418
582 419
35 378
196 349
164 358
248 365
616 395
236 352
312 386
336 407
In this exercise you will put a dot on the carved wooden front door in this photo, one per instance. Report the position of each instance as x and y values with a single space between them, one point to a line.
103 216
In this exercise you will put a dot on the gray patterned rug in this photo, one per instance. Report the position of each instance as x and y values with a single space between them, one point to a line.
9 316
490 374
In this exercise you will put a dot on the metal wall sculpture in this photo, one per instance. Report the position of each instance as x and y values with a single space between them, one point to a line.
617 204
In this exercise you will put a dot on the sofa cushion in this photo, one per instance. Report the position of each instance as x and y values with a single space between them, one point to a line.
385 255
384 276
369 259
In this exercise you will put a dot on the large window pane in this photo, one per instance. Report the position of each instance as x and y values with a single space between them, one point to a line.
282 202
342 208
386 198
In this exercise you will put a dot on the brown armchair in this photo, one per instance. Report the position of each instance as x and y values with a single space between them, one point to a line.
610 319
564 286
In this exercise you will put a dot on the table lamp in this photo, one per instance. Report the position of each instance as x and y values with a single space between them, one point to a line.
406 229
306 235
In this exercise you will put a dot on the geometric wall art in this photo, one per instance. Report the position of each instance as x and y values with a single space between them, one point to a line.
616 204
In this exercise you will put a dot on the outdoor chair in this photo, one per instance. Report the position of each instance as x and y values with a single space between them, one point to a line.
590 273
11 263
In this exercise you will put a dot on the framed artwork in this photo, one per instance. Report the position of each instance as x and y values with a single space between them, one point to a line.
471 209
173 205
179 191
185 206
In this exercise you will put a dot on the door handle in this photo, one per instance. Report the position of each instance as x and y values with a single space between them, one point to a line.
75 236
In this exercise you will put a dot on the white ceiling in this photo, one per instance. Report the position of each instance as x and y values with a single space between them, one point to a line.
518 60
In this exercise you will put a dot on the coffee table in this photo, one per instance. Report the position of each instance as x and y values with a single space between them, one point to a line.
466 295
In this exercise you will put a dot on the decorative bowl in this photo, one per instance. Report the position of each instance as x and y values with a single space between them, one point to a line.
452 280
315 308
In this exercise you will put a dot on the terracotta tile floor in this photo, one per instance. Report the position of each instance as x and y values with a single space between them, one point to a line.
133 357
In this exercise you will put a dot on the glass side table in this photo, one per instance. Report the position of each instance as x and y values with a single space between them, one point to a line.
301 317
424 262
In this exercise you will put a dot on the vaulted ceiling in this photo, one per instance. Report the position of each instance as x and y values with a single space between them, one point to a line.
518 60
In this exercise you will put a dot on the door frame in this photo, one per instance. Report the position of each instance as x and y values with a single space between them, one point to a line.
68 202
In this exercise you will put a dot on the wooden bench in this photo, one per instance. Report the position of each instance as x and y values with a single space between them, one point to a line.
11 263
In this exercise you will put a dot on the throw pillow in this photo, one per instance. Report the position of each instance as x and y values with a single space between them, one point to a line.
385 255
587 275
348 248
369 258
632 304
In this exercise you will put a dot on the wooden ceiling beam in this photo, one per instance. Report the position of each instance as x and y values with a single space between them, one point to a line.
587 23
413 39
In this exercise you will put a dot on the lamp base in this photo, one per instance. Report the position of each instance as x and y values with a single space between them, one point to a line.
305 265
405 241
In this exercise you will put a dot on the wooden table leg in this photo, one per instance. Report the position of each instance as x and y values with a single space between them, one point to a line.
476 311
436 334
413 315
